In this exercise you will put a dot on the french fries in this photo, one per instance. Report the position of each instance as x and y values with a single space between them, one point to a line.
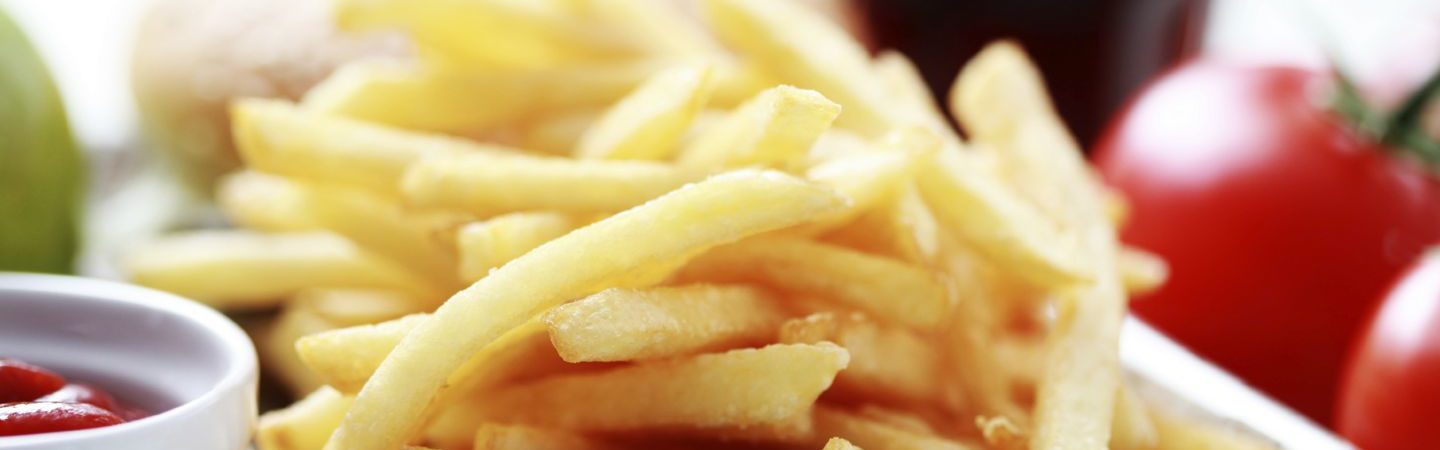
388 409
628 324
467 100
752 234
1075 398
245 270
459 100
373 221
277 137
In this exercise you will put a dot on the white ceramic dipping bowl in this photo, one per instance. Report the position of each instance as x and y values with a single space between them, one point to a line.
189 366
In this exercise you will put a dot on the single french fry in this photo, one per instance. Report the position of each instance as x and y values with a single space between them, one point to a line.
264 202
374 222
1075 399
889 289
736 388
870 433
536 34
802 48
776 128
304 425
1186 433
1142 272
464 100
629 324
490 184
1133 428
391 406
495 436
277 137
648 123
345 358
886 364
247 270
487 245
836 443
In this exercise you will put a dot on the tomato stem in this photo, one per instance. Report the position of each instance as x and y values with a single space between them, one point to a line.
1403 130
1348 103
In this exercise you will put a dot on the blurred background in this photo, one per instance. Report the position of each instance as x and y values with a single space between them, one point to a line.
142 88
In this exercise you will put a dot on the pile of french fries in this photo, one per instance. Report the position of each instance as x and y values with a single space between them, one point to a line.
600 224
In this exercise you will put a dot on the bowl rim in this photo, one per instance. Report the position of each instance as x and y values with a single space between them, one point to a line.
240 352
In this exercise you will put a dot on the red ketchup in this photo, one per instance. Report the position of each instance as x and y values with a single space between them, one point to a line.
34 400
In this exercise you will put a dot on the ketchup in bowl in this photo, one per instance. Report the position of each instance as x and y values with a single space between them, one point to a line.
35 400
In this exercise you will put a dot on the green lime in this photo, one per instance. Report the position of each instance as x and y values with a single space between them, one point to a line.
40 166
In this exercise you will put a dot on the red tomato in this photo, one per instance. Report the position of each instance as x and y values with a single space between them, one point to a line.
31 418
1390 397
21 382
1280 223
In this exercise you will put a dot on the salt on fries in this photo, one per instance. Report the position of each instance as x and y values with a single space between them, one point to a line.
750 233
